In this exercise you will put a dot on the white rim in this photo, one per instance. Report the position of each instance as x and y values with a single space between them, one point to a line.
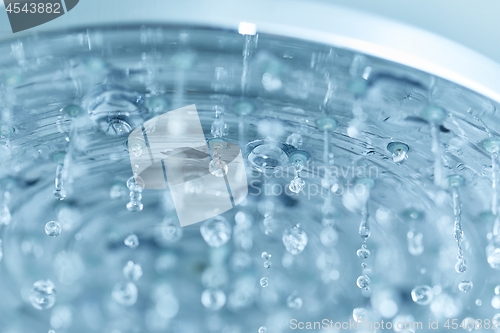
317 22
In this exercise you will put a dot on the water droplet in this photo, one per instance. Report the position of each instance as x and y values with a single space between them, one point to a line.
399 151
360 314
5 215
363 252
132 241
297 184
465 286
329 236
422 295
132 271
264 282
491 145
497 290
53 228
363 281
294 302
157 104
125 293
326 123
262 329
219 127
266 256
218 167
494 258
216 231
415 242
267 264
267 157
294 140
117 191
434 114
168 232
413 215
43 295
295 240
479 302
461 266
52 331
213 299
115 110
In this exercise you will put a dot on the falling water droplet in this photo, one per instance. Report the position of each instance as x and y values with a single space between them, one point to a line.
363 252
132 241
125 293
216 231
262 329
415 242
168 232
266 256
329 236
294 140
132 271
461 265
43 295
218 167
5 215
360 315
295 240
297 184
422 295
52 331
53 228
267 264
264 282
213 299
494 258
497 290
399 151
135 184
294 302
479 302
363 281
465 286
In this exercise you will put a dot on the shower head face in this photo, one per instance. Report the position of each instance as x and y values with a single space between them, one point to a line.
371 233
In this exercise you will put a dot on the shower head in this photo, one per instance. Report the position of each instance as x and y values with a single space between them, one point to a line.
345 175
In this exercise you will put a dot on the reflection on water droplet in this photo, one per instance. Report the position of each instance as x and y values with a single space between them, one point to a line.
363 281
125 293
216 231
422 295
465 286
213 299
461 266
294 140
266 157
53 228
295 240
43 295
266 256
218 168
132 271
360 314
294 302
132 241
